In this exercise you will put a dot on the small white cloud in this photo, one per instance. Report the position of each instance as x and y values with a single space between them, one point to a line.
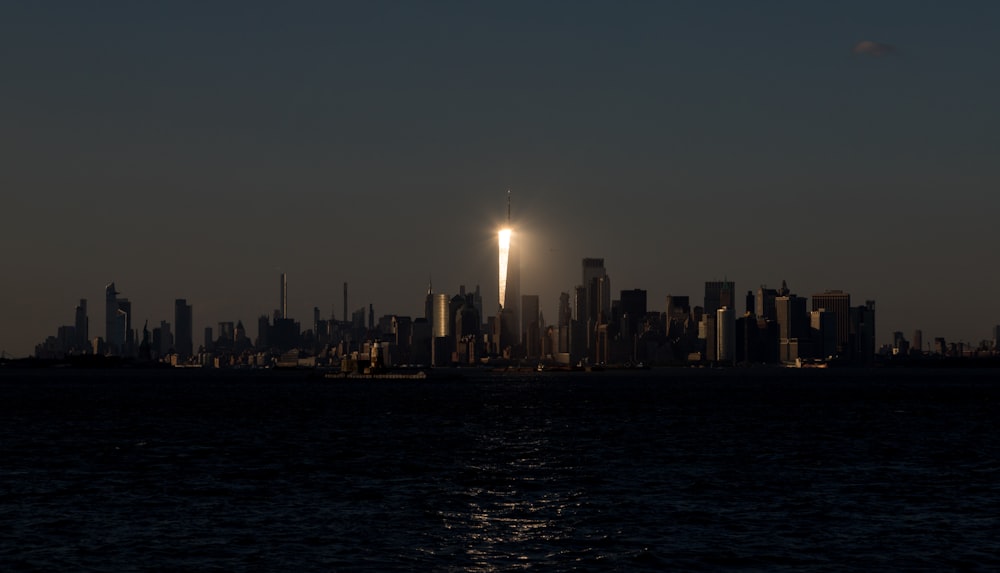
873 49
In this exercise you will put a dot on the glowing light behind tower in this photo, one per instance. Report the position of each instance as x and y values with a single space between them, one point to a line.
503 240
509 282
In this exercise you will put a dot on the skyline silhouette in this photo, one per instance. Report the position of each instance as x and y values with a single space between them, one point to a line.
197 152
183 325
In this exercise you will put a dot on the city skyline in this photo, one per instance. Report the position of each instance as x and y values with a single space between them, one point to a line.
831 321
731 298
198 154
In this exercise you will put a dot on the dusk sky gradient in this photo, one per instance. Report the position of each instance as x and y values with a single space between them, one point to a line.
198 149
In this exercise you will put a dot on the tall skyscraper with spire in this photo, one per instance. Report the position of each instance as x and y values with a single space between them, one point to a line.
509 282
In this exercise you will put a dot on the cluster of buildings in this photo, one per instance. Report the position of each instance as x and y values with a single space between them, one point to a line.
593 326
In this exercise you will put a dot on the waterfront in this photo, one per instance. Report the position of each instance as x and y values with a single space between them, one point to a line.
666 469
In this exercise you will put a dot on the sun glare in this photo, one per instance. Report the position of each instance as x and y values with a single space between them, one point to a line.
503 240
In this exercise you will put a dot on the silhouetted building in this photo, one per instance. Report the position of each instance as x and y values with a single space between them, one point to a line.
81 326
839 303
475 298
578 339
719 294
861 333
768 342
598 292
227 333
429 303
708 336
600 311
792 319
163 340
66 336
116 322
725 328
420 341
531 336
564 321
401 336
467 320
764 303
241 342
125 323
283 302
468 323
633 308
748 341
358 322
263 328
283 335
184 327
900 346
823 333
793 327
678 308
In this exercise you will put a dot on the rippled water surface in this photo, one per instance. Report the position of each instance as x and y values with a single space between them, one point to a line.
673 469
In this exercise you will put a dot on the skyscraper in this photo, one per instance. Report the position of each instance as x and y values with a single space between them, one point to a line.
633 303
598 288
861 332
440 325
509 283
764 303
725 330
82 327
163 340
793 327
564 321
823 333
125 325
578 337
532 330
284 296
183 324
839 303
429 303
116 321
719 294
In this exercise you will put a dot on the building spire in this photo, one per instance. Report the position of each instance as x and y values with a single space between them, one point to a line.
508 207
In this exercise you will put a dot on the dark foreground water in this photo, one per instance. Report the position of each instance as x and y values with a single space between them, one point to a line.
664 470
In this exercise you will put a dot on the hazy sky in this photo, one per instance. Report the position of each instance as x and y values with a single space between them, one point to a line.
198 149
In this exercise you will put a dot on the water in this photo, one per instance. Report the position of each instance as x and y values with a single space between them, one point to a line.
676 469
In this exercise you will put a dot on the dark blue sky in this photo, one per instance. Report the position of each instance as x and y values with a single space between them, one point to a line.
197 150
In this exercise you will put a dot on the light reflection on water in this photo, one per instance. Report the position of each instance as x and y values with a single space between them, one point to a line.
517 522
701 474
